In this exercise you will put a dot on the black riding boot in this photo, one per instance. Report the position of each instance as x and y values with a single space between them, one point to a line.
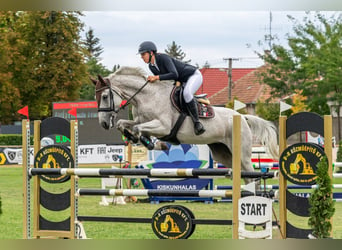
192 108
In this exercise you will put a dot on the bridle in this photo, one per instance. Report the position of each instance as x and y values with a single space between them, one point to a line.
111 107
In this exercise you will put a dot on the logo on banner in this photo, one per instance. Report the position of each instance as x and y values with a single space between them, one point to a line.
173 222
54 156
298 163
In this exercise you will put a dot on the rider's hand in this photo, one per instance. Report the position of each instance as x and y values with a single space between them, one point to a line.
152 78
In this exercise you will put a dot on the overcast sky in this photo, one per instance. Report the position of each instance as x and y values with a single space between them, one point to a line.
203 35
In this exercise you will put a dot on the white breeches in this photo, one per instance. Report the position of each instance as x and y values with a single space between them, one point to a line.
192 85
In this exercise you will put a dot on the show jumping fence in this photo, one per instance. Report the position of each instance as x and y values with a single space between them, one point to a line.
68 227
54 202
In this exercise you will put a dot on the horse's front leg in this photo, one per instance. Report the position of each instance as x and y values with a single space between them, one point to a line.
125 124
152 128
125 127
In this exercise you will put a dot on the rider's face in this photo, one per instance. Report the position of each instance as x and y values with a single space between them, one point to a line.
145 56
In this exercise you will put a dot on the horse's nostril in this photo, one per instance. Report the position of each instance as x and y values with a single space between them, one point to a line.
105 125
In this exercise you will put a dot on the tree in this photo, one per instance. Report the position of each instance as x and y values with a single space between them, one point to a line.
175 51
92 45
48 63
94 68
267 110
311 64
10 100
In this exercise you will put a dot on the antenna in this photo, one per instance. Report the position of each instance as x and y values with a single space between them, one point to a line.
269 37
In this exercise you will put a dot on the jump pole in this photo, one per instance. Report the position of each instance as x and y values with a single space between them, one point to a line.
150 173
236 153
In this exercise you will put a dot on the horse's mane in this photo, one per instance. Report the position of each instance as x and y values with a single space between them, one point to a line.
135 71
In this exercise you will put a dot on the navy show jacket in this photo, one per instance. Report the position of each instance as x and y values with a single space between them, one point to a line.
171 68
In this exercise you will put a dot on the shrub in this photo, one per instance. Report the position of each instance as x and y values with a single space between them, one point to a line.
12 139
321 201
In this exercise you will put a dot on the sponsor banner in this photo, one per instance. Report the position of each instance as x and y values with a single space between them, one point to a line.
14 156
101 154
87 154
178 156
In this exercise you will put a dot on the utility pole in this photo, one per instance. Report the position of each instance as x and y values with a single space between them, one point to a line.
230 81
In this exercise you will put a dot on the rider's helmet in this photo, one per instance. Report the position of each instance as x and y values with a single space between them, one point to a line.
147 46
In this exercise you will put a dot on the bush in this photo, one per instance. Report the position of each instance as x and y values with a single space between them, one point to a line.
321 202
12 139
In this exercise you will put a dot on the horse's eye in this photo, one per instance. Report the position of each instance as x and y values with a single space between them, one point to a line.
105 97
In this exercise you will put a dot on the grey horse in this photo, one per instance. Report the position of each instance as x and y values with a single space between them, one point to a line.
154 115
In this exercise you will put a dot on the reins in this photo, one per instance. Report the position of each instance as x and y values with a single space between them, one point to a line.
138 91
112 105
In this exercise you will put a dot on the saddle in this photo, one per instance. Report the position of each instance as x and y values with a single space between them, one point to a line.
203 106
205 110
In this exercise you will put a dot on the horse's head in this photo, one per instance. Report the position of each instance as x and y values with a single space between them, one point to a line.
108 102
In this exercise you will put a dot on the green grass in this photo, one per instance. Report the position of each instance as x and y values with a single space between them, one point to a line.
11 223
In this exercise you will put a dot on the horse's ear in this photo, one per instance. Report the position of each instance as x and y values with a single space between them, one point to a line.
101 79
93 80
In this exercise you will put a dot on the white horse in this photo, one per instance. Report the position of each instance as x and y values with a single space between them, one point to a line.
154 115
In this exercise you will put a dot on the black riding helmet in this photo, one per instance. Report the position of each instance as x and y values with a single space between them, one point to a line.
147 46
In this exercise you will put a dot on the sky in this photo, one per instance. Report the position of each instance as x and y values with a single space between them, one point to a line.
204 36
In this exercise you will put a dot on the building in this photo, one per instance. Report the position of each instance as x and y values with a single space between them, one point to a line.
246 88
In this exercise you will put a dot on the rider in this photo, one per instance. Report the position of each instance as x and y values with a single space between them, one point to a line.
165 67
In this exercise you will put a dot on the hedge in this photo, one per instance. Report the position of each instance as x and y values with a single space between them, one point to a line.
12 139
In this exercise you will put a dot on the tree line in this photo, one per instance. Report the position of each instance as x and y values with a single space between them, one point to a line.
43 59
307 71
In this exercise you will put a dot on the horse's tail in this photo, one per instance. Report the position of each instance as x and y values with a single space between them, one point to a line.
266 132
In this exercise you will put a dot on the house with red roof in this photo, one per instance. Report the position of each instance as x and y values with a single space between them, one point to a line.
216 79
246 88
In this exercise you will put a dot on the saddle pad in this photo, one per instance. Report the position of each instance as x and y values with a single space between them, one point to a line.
204 110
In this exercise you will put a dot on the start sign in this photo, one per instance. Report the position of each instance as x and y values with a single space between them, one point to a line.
255 209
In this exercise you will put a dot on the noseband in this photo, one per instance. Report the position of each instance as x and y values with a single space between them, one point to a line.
111 107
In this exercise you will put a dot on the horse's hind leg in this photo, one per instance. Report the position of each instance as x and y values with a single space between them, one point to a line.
221 154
